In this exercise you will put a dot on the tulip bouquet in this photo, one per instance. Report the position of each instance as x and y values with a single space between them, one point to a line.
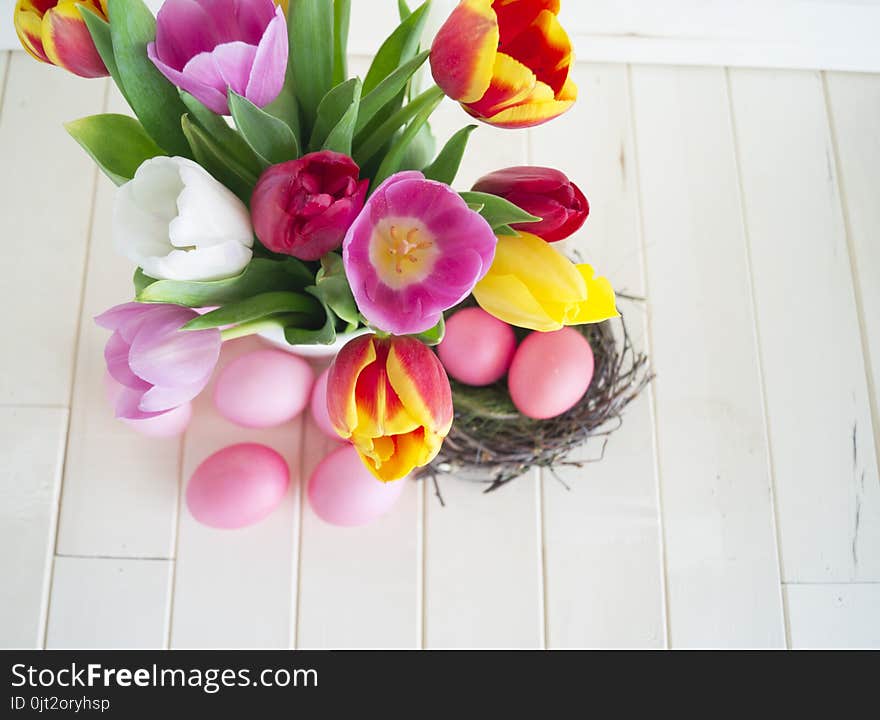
262 189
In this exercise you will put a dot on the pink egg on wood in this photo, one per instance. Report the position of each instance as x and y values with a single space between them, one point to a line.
318 406
477 348
551 373
343 492
237 486
263 389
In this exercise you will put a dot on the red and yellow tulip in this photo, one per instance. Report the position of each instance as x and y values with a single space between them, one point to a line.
54 32
506 61
533 286
391 398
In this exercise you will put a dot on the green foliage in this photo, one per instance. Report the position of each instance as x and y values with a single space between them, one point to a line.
393 160
341 21
337 115
310 62
323 334
333 288
270 138
382 102
118 143
497 211
401 45
261 276
99 29
154 100
212 156
258 307
226 139
435 335
445 166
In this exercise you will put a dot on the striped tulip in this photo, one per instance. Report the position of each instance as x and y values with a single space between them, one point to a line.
54 32
391 398
506 61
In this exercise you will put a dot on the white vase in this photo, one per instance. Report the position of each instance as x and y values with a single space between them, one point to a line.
275 337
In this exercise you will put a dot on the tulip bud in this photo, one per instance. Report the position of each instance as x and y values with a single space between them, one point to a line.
158 366
544 193
392 399
533 286
178 223
54 32
506 61
304 207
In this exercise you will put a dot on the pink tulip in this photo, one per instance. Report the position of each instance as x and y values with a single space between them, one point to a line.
159 366
304 207
545 193
208 47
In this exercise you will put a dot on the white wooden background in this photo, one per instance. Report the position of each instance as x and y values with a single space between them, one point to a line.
739 506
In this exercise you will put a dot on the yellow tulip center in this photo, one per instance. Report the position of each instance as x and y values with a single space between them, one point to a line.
403 252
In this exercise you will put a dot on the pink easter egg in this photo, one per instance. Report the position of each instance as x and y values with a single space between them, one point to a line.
343 492
263 389
167 425
550 373
237 486
477 348
319 406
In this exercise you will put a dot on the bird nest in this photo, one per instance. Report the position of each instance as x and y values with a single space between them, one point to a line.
491 442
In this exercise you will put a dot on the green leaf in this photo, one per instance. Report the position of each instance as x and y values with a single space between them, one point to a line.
334 290
383 134
226 138
322 335
285 107
497 211
374 102
260 276
341 21
154 100
445 166
310 32
213 157
118 143
99 29
420 150
333 108
400 46
257 307
506 231
435 335
403 10
270 138
394 159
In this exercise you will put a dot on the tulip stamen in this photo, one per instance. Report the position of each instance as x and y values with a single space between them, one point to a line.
405 248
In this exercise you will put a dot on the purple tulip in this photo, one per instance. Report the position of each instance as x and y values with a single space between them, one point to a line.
208 47
159 366
415 251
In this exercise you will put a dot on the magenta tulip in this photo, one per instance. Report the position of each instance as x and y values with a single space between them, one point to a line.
415 251
208 47
543 192
159 366
304 207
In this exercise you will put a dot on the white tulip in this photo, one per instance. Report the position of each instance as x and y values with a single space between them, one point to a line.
178 223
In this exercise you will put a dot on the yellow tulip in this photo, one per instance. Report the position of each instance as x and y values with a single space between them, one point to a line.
531 285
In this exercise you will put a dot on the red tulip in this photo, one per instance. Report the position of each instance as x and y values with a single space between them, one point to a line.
543 192
506 61
304 207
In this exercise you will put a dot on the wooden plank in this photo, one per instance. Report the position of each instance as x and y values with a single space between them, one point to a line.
32 448
236 589
483 580
721 550
45 200
854 104
109 604
825 464
105 511
604 573
833 617
379 565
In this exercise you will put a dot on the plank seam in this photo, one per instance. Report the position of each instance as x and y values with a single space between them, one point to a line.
649 339
175 539
421 567
73 368
301 500
843 199
115 558
5 83
759 355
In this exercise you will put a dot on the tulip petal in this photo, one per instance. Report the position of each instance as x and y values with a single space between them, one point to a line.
215 262
68 43
116 355
184 28
29 28
421 383
380 412
601 303
507 298
208 93
128 405
270 63
393 458
512 83
160 399
342 382
116 317
545 47
552 276
463 53
514 16
530 113
233 62
163 355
